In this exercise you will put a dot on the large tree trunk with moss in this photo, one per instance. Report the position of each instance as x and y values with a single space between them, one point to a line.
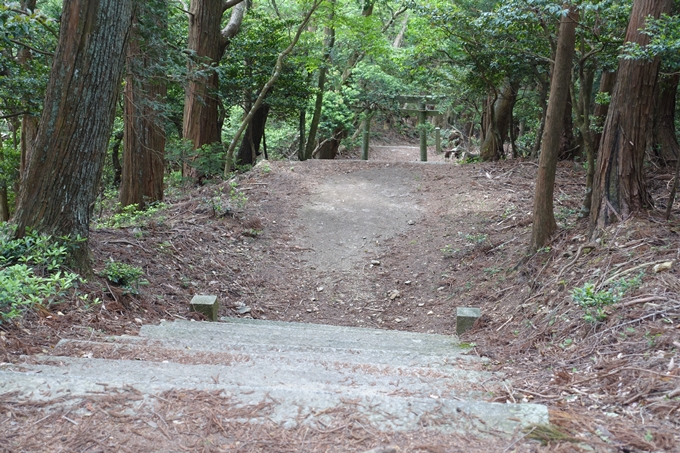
500 114
665 139
62 175
207 42
619 187
544 224
250 145
144 98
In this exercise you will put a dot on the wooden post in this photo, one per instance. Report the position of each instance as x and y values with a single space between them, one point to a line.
422 123
438 139
367 134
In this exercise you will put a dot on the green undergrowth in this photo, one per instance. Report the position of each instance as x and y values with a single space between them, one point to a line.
32 271
124 275
123 217
594 302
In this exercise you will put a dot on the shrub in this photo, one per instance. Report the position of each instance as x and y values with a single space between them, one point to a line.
594 302
30 271
124 275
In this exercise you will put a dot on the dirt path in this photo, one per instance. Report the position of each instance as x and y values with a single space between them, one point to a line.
370 243
396 244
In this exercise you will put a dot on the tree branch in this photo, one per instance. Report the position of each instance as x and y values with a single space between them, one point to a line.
42 52
229 3
234 24
270 83
13 115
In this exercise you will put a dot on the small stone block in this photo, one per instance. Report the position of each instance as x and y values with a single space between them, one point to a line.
207 305
465 318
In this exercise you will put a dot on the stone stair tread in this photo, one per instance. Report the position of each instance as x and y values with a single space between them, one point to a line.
187 352
290 334
397 380
76 377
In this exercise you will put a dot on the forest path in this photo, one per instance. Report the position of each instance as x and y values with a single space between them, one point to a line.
343 245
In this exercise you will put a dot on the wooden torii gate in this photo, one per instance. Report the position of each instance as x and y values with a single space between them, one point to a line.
426 107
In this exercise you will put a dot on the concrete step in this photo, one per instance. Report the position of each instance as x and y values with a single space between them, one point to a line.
197 352
310 336
397 380
389 403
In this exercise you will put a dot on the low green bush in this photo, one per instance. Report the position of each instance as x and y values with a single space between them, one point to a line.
31 271
594 302
124 275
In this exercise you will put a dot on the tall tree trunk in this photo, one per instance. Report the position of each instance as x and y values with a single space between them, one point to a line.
665 139
607 81
278 67
29 122
568 145
543 87
619 187
499 113
399 39
60 187
115 158
544 219
208 42
316 117
586 78
302 126
144 98
250 145
4 202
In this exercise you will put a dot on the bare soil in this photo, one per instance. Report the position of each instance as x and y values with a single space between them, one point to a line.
393 244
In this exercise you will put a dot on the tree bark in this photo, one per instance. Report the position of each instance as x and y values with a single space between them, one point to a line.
543 87
544 224
500 114
208 42
250 145
607 82
144 98
115 158
619 187
60 187
568 145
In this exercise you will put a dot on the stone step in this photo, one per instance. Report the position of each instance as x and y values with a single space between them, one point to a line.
397 380
327 367
388 403
281 334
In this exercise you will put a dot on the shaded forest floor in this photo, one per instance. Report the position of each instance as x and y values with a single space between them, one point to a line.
611 385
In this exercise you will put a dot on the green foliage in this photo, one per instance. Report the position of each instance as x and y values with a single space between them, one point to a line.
250 61
9 164
22 83
31 271
664 42
476 238
124 275
131 216
594 302
471 159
